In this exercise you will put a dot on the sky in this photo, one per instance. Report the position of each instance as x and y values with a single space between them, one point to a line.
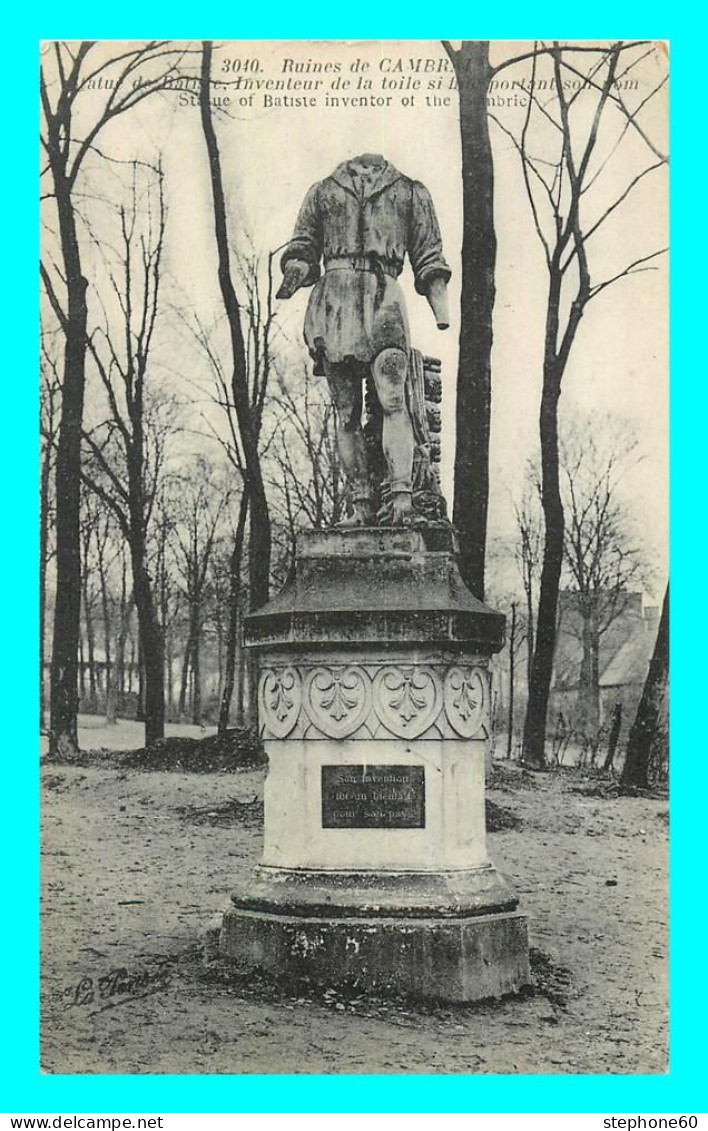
271 154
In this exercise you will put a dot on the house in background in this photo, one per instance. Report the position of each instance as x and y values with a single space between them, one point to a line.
625 650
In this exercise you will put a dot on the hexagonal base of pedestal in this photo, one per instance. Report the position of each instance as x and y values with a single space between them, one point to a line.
453 936
454 960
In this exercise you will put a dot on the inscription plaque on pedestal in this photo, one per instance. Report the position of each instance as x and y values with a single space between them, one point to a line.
373 797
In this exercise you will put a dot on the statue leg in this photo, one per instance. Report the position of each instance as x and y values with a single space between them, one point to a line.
346 389
389 369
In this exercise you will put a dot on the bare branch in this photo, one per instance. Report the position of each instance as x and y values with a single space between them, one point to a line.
632 269
616 98
52 296
573 47
529 190
622 197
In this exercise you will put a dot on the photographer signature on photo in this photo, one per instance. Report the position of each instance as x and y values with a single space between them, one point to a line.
117 987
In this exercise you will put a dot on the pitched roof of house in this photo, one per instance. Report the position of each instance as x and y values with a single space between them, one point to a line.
631 662
625 647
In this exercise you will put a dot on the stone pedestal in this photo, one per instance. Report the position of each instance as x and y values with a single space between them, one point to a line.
374 709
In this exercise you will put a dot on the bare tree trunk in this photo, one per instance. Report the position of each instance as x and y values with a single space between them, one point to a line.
151 648
184 682
642 736
107 643
232 630
589 679
169 661
260 534
534 753
150 641
512 665
82 666
584 674
164 619
241 662
530 633
479 247
91 654
196 672
595 703
43 560
122 633
218 624
63 736
140 712
614 738
135 664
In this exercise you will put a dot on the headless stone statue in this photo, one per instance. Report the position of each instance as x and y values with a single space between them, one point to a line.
360 223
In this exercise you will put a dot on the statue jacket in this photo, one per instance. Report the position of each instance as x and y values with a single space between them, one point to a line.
361 234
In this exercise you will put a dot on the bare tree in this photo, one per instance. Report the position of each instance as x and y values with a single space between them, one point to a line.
253 275
226 433
603 556
503 593
49 412
613 738
304 475
124 453
126 605
119 78
528 554
235 660
107 540
247 416
475 78
247 399
513 645
218 594
479 248
200 500
566 215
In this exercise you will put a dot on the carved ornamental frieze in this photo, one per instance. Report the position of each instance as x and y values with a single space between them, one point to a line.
338 699
374 700
465 697
407 699
280 699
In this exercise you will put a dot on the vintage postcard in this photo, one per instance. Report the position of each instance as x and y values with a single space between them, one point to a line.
354 557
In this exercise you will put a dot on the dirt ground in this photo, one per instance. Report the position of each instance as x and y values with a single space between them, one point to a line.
136 865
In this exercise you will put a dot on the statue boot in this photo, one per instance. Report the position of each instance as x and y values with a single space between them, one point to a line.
401 504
